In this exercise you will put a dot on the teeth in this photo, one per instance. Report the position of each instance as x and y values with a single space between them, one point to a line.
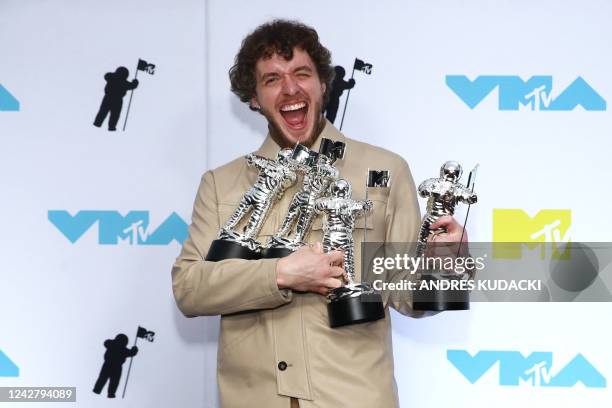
293 107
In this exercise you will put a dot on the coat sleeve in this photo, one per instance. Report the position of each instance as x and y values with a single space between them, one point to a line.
403 220
204 288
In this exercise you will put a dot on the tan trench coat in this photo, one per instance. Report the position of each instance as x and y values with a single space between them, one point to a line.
264 329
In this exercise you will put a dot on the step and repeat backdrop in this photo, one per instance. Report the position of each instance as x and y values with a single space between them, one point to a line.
111 111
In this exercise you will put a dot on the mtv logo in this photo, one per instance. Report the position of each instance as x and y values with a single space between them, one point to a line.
534 369
516 226
533 94
114 228
7 101
7 367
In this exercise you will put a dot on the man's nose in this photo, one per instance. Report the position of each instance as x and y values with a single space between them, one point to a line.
290 86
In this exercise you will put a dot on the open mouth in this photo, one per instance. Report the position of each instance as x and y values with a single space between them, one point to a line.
295 114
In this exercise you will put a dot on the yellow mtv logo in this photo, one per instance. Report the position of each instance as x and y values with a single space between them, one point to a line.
516 226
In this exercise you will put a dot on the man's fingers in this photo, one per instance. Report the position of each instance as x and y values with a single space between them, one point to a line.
322 291
332 283
336 257
442 222
318 247
336 271
435 236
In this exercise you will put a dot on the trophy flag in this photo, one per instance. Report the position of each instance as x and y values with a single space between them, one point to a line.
362 66
471 182
141 66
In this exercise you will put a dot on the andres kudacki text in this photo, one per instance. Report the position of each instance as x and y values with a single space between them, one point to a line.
521 285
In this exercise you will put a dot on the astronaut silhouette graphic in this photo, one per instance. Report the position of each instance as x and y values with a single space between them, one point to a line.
117 85
114 357
338 86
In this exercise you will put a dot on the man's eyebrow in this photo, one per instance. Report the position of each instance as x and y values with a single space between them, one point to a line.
303 68
268 74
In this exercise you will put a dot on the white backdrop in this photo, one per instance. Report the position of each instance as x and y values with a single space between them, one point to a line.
60 300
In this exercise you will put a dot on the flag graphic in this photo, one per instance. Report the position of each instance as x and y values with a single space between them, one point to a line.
146 67
362 66
145 334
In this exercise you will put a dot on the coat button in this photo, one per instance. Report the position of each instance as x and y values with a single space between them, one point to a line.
282 366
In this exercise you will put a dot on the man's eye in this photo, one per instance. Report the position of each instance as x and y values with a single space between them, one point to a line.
303 74
270 81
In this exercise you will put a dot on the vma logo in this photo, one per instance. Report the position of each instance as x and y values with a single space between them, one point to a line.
535 369
7 101
515 225
114 228
7 367
534 94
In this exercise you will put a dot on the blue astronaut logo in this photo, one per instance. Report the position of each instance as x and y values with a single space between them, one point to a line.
536 369
534 94
114 228
7 367
7 101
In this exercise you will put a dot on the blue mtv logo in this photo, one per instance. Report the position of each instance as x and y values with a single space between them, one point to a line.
7 101
7 367
535 369
133 228
534 94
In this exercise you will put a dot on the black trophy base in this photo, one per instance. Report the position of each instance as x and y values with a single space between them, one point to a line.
353 310
279 252
440 300
221 249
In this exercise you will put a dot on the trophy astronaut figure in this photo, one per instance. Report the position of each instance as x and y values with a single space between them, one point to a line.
340 213
355 302
275 176
443 194
317 179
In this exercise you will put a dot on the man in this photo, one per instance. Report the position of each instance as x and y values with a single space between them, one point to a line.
276 348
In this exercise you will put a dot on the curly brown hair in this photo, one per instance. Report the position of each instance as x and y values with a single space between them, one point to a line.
278 37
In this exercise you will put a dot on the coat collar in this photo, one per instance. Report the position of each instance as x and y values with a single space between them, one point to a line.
269 148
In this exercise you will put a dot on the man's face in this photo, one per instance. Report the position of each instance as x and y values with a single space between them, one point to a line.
289 94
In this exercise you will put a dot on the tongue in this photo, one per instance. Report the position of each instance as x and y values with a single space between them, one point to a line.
296 117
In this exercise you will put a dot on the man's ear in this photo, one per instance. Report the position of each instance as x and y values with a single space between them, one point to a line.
254 104
323 87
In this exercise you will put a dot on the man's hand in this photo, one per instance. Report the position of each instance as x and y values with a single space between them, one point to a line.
309 269
453 229
453 235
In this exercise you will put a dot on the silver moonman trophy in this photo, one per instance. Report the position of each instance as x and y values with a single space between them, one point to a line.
442 194
275 176
354 302
319 172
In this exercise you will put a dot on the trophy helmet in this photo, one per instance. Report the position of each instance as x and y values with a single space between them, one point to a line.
340 188
451 171
284 154
301 154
